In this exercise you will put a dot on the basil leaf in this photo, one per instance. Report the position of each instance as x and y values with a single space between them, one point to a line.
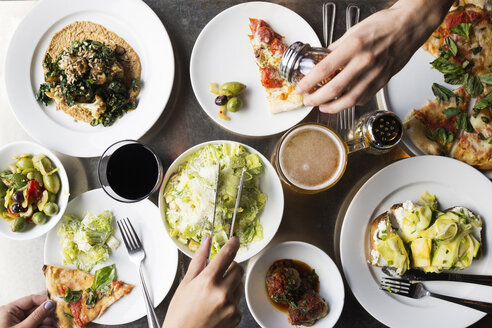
464 123
444 66
487 79
489 140
481 136
15 180
104 277
446 54
472 84
462 29
451 112
485 119
453 78
450 137
68 315
91 296
465 64
453 48
441 92
72 295
476 50
485 102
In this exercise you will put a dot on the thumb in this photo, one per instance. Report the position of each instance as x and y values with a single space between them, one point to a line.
199 261
38 315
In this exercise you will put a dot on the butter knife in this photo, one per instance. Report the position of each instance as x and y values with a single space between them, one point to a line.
417 275
238 199
215 208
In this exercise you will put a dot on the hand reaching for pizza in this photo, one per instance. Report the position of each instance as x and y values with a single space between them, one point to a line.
370 53
29 311
209 295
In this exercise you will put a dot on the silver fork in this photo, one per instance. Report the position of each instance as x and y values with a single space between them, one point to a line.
346 118
329 14
417 290
137 255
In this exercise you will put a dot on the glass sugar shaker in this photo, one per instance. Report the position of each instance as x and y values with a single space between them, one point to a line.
377 132
299 59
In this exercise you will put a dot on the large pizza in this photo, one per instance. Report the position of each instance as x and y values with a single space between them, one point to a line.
458 122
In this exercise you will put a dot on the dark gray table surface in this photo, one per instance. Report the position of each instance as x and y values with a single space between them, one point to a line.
316 218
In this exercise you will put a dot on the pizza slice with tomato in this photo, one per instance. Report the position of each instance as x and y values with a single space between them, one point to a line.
475 146
81 297
435 127
268 49
462 43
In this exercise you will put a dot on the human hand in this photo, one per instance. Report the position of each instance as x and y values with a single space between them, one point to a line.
370 53
209 295
28 312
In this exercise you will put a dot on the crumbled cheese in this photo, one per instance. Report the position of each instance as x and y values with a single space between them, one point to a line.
403 211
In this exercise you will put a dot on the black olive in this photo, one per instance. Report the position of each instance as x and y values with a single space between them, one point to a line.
16 208
18 196
221 100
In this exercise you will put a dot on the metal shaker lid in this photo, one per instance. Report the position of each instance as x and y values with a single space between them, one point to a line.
384 130
289 59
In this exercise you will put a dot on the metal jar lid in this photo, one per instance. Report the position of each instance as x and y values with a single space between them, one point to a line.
289 59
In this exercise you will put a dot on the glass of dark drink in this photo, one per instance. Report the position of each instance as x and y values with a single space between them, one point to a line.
129 171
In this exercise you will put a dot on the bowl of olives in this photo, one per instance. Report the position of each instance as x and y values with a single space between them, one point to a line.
34 190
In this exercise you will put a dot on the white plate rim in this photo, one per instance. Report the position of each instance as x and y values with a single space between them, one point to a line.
16 46
158 294
194 62
335 275
241 257
351 262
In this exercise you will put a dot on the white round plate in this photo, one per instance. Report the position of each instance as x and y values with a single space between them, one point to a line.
330 281
455 184
411 88
32 231
223 53
160 263
135 22
270 215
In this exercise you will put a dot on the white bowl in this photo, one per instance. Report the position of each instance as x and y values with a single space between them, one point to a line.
32 231
330 281
270 216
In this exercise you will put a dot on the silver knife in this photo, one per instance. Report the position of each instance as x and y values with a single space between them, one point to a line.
215 207
417 275
238 199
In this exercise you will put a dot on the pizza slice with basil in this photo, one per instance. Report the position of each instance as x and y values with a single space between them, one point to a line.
462 43
81 297
434 127
268 49
475 146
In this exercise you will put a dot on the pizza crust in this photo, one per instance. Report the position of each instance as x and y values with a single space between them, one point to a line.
276 105
417 133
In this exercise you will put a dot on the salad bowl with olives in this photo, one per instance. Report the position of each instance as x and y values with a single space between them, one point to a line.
33 190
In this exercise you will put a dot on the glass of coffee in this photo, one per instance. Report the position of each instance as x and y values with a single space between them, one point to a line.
129 171
310 158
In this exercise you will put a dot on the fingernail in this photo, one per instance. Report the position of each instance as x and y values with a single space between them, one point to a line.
237 238
49 305
205 238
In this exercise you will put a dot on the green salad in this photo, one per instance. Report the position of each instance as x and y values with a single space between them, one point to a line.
88 241
190 195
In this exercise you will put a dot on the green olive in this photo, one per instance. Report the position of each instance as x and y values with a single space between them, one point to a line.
231 89
18 224
47 164
24 163
51 197
52 183
36 175
234 104
50 209
39 218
